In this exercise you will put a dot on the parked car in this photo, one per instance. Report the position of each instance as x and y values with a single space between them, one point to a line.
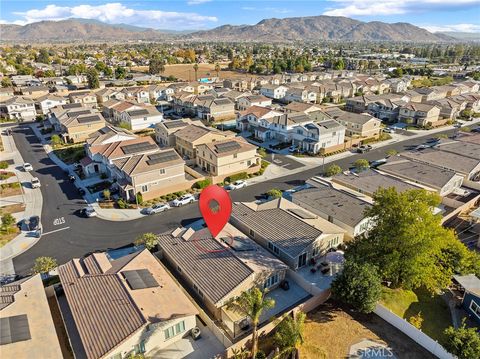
293 149
27 167
375 164
237 185
157 208
185 199
31 224
88 211
364 148
35 182
389 130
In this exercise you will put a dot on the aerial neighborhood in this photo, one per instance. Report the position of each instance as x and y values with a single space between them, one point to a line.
350 170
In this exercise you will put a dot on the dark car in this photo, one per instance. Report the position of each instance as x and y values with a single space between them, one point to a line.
31 224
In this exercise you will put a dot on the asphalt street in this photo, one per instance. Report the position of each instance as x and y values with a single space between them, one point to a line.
66 235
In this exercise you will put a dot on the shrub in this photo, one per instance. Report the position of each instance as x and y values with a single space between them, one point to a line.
106 194
202 184
56 141
121 203
262 152
416 320
8 220
391 153
333 170
238 176
139 198
274 193
361 165
3 165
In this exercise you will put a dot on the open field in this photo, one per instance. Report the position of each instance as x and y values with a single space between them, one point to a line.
434 311
185 71
331 329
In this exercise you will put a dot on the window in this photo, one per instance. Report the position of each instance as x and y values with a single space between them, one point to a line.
144 188
162 171
249 163
475 308
252 233
139 348
271 281
174 330
273 248
234 155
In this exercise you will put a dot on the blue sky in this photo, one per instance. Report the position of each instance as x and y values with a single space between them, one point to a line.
434 15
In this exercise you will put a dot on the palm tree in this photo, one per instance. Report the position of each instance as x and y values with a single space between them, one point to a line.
217 69
252 303
289 334
195 68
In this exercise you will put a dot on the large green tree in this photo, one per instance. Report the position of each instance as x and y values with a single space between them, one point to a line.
358 285
149 240
156 66
92 78
463 342
251 304
407 242
44 265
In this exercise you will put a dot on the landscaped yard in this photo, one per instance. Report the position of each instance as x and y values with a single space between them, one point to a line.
330 330
70 154
97 187
434 310
6 235
6 175
12 208
10 189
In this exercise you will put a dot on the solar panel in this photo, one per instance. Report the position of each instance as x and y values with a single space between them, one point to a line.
227 146
162 157
138 147
140 279
174 124
138 112
78 113
222 101
88 119
71 105
14 329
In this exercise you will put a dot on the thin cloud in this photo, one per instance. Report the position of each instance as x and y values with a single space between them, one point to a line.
472 28
197 2
114 13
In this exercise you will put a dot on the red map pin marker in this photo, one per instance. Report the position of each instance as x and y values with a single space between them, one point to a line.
216 206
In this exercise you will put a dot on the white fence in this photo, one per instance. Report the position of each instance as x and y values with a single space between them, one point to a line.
417 335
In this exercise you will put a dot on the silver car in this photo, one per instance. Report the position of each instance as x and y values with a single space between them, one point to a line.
157 208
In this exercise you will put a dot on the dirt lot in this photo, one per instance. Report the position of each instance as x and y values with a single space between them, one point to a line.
185 71
331 330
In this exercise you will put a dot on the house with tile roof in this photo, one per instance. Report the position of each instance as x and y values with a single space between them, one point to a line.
44 103
165 130
356 124
122 307
86 98
421 114
253 100
139 119
287 230
26 323
216 270
18 108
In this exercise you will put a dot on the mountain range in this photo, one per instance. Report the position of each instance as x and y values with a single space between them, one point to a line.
312 28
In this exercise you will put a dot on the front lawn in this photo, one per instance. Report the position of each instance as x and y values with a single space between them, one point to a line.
10 189
6 175
70 154
434 310
7 234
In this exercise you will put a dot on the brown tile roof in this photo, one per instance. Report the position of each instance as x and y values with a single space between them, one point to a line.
143 163
192 133
257 111
114 150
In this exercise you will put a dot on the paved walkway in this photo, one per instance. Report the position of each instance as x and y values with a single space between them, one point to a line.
33 207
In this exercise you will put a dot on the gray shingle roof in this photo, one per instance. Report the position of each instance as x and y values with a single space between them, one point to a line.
278 226
331 202
214 270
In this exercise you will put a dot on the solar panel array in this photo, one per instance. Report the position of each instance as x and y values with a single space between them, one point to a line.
161 157
140 279
301 213
138 147
14 329
71 105
227 146
138 112
78 113
87 119
222 101
174 124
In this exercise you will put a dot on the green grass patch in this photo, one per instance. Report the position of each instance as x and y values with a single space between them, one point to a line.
434 310
70 154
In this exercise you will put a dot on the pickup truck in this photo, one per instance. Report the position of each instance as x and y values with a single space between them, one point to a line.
364 148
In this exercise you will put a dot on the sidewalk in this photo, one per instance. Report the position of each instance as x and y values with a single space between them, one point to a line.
33 207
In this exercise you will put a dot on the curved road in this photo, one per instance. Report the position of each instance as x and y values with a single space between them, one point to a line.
66 235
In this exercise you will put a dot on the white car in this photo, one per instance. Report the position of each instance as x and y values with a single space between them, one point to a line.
89 212
35 182
388 130
27 167
237 185
293 149
157 208
185 199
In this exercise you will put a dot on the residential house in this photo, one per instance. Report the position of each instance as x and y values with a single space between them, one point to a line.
117 308
140 119
236 84
138 94
444 181
22 80
165 131
287 230
421 114
77 126
386 110
306 108
216 270
338 207
432 93
27 327
86 98
221 159
249 119
359 104
214 109
47 102
314 137
34 92
356 125
464 148
276 92
246 102
18 108
188 138
299 95
468 287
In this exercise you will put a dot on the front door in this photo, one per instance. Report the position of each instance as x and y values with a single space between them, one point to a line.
95 168
302 260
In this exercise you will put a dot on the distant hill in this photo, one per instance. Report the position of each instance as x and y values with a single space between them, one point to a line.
312 28
465 36
77 29
316 28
